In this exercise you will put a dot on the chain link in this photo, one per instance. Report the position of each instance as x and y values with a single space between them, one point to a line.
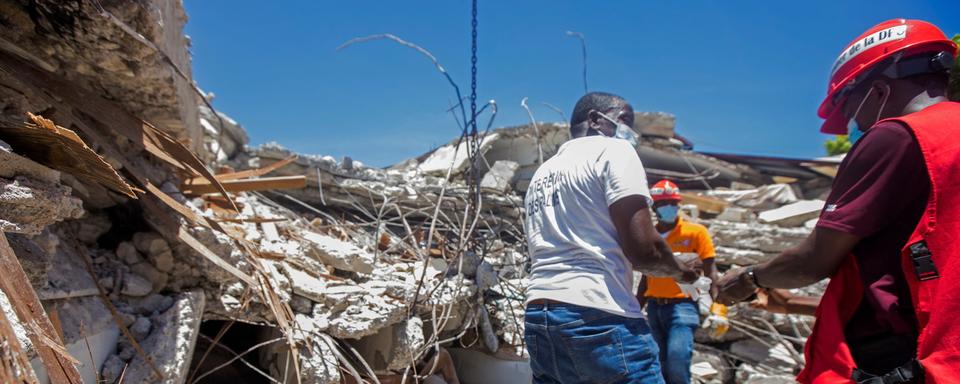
473 73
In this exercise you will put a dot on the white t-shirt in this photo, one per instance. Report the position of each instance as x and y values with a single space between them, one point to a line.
575 252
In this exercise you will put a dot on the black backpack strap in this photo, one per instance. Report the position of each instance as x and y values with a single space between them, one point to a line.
911 372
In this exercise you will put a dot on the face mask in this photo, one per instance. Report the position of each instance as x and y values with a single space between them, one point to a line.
853 127
623 131
853 131
668 213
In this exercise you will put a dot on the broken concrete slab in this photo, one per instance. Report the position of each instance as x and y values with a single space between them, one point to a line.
392 347
765 197
15 165
793 215
761 237
68 276
736 215
28 205
170 344
318 361
654 123
500 177
336 253
307 285
448 156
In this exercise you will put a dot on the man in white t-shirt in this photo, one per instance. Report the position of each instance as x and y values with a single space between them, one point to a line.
588 228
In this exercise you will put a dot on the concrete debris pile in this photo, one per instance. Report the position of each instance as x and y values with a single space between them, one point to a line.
127 257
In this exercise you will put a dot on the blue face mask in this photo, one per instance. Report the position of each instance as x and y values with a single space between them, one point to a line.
668 213
853 127
853 131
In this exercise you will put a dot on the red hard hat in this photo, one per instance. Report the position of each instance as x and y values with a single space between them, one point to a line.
665 190
883 41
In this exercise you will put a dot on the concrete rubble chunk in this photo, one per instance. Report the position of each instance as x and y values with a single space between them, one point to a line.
15 165
736 215
318 363
793 215
336 253
307 285
654 123
67 276
765 197
140 328
500 176
28 205
392 347
92 226
128 253
756 236
156 248
171 342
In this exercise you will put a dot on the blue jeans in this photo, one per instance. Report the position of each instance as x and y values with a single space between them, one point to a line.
571 344
673 326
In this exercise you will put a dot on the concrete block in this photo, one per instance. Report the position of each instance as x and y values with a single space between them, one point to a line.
171 343
336 253
475 367
392 347
737 215
500 176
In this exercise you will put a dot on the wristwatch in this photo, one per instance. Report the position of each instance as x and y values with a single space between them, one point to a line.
751 273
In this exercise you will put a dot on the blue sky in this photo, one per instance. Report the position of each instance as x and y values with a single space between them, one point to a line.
741 76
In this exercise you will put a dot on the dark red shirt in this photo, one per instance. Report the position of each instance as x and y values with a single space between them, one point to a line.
879 195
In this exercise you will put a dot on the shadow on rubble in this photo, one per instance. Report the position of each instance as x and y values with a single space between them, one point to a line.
221 364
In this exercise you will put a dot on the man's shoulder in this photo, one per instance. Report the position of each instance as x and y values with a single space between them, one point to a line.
691 227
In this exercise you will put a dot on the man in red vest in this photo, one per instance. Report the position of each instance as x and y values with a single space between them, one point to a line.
888 236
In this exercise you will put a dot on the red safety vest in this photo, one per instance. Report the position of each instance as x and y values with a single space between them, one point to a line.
936 292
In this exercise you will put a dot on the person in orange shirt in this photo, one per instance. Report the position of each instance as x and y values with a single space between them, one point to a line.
673 315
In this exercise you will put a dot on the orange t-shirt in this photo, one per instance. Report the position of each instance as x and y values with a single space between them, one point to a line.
684 238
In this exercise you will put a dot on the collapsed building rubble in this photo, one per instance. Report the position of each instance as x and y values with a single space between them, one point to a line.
150 267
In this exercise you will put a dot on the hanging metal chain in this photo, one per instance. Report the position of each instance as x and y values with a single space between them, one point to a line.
473 71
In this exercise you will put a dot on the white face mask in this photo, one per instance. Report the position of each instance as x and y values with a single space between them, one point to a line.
623 131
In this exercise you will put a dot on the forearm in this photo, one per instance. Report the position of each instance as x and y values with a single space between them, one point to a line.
658 261
710 269
794 268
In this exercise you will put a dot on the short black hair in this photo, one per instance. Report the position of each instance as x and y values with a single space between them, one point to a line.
600 101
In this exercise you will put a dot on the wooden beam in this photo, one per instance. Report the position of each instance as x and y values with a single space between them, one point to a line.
261 184
26 304
245 174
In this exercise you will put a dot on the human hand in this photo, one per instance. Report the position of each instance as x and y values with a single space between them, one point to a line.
772 300
735 286
690 269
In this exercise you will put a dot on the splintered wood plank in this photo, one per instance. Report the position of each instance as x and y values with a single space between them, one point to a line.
261 184
245 174
61 149
23 298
